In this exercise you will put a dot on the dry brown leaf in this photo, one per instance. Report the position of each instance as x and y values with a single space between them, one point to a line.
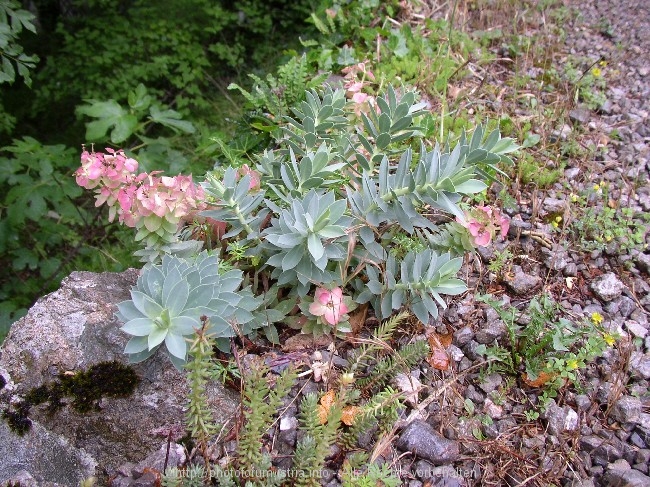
325 405
322 414
438 359
328 399
542 379
358 318
349 413
303 341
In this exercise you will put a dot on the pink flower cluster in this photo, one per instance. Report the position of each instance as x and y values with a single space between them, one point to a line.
329 305
357 77
483 223
132 197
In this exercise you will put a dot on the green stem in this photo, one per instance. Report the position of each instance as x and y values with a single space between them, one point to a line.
232 204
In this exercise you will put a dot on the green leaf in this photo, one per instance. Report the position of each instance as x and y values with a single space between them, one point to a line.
139 327
110 109
471 186
171 119
152 222
558 344
397 44
127 311
110 114
346 56
176 299
145 304
292 258
315 246
176 345
22 18
8 72
332 231
97 129
156 337
49 267
136 344
139 99
37 207
531 140
271 333
124 128
383 140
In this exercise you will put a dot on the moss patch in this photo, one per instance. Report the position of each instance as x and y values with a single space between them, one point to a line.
17 419
86 388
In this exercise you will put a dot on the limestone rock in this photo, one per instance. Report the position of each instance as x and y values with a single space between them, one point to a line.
607 287
69 331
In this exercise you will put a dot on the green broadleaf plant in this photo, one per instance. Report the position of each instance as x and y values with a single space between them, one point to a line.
13 20
119 123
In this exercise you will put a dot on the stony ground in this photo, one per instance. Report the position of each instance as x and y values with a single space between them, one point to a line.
474 427
597 433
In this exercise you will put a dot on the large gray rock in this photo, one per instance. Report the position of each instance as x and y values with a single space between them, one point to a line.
70 331
422 440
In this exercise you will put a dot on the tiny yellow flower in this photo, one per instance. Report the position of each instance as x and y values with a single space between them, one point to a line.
572 364
574 197
608 238
554 224
596 72
596 318
609 339
603 63
596 187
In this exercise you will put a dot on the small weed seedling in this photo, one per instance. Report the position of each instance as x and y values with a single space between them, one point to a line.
549 351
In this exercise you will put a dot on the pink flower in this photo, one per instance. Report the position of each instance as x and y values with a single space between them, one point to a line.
355 87
356 79
503 222
481 235
253 174
360 97
482 223
329 305
132 197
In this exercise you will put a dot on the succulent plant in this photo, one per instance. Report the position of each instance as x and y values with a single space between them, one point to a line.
417 281
170 300
322 212
305 238
235 204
